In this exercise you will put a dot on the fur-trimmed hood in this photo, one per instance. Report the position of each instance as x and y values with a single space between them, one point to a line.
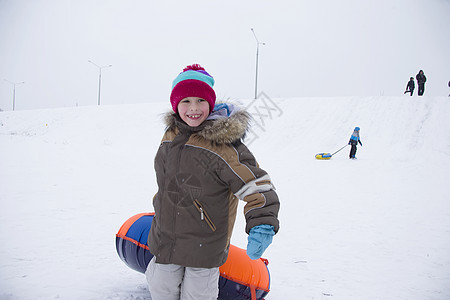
221 127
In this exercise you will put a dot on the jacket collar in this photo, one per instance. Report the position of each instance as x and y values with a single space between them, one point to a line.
221 130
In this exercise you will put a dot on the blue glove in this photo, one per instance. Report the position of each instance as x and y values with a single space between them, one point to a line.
259 239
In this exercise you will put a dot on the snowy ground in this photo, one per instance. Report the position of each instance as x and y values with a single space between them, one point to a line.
374 228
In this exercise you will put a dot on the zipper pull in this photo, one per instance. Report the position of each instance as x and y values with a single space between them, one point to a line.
201 214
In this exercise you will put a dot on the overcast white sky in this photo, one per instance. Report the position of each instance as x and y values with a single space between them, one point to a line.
313 48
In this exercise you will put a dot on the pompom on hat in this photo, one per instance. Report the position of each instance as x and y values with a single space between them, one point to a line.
194 81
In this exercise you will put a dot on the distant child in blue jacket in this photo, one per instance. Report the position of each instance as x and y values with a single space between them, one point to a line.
354 140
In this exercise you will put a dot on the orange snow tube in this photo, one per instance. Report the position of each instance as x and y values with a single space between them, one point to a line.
245 274
241 278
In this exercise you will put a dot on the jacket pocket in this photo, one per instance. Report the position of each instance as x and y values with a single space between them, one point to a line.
204 215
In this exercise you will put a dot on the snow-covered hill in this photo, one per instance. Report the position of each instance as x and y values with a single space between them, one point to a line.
374 228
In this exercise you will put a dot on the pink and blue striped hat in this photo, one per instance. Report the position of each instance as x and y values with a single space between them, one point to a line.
194 81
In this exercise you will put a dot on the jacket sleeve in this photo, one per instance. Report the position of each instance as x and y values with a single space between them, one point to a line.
251 184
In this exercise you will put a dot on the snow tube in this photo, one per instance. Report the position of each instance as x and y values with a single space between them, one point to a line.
131 241
241 278
323 156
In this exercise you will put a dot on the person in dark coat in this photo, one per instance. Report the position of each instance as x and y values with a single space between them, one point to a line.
354 140
410 86
421 79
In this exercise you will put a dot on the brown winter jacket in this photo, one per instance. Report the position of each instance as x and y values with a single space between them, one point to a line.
201 172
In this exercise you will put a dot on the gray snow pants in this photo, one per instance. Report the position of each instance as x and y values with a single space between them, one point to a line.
174 282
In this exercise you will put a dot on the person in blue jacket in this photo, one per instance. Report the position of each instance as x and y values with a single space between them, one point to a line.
354 140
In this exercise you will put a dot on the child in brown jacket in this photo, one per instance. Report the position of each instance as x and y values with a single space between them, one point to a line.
202 170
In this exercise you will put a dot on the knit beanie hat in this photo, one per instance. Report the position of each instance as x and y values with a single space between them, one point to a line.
194 81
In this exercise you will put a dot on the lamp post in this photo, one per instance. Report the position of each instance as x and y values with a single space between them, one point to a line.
14 91
257 53
99 77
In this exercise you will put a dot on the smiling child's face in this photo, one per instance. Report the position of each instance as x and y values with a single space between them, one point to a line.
193 110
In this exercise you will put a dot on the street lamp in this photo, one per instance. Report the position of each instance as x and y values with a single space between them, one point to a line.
257 53
14 91
99 77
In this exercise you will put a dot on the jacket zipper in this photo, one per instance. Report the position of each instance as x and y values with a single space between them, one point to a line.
174 212
204 216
